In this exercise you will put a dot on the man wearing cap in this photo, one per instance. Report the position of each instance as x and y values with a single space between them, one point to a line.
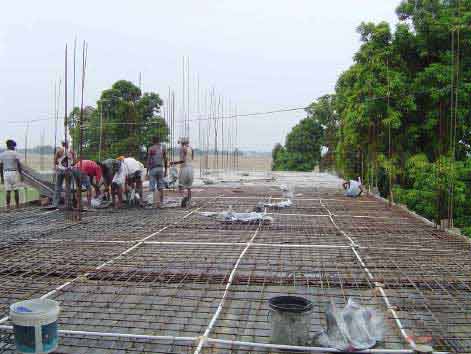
10 171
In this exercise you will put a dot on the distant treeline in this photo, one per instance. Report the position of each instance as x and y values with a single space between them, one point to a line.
40 150
49 150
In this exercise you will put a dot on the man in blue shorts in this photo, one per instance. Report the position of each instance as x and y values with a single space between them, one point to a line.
157 170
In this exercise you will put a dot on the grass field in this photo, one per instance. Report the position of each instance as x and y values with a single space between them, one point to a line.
26 195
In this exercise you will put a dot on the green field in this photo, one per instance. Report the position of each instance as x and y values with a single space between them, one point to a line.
26 194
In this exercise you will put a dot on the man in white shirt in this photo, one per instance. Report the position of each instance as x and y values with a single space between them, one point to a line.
10 171
353 188
130 174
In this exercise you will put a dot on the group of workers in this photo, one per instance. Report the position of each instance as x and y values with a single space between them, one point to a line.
113 177
108 179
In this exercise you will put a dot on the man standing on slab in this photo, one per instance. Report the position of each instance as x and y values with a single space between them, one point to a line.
157 170
10 171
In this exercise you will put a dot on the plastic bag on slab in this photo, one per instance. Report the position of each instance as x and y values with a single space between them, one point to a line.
251 217
95 202
280 205
352 328
230 216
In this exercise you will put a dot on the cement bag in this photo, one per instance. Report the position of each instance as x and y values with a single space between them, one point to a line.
185 179
352 328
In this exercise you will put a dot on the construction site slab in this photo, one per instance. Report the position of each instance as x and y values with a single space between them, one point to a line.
120 275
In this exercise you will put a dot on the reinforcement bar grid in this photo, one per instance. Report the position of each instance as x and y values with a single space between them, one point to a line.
173 281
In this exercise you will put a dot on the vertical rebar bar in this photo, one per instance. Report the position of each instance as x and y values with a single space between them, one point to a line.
81 127
101 132
66 146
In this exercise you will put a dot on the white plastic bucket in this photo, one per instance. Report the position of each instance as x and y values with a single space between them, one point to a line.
35 325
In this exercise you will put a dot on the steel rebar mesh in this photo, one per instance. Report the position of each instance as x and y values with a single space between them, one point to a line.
320 275
153 290
204 233
22 226
399 233
431 291
32 269
81 344
160 288
112 225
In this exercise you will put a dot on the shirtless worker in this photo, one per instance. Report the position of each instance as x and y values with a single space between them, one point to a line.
185 177
157 170
10 171
64 159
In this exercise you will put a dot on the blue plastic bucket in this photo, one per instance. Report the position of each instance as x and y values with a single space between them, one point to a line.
35 325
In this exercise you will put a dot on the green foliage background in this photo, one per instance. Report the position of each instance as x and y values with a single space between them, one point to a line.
393 112
130 119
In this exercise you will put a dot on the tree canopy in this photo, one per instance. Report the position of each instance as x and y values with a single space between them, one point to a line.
401 114
302 150
126 118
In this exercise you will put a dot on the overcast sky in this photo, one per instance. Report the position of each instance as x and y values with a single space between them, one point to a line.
262 55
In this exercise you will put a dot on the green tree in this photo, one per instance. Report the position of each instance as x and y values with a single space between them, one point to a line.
126 119
302 151
323 110
406 101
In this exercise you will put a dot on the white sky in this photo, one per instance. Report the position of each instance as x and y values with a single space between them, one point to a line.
260 54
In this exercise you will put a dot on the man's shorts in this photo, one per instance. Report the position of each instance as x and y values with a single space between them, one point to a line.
134 177
11 180
85 181
185 178
156 178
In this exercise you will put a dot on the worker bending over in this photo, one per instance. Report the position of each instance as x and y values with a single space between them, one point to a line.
353 188
157 170
90 175
129 175
10 171
185 177
109 168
